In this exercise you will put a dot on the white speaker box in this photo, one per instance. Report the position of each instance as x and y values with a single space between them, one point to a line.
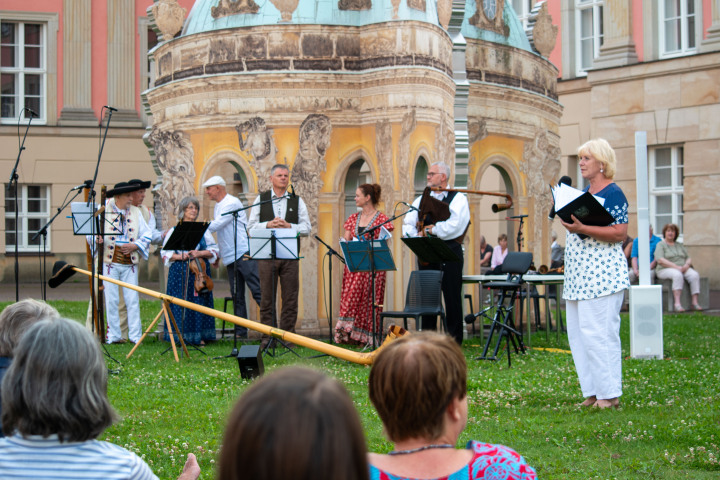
646 326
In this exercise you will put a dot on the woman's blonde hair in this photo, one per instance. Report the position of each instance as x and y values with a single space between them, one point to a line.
601 151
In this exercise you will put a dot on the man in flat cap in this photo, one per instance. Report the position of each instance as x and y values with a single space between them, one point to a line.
129 240
234 247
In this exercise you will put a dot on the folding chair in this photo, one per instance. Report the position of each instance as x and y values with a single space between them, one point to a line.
423 297
516 264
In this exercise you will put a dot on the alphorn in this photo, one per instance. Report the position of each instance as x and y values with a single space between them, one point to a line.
335 351
496 207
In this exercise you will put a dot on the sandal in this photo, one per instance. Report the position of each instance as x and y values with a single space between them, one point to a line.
679 308
697 308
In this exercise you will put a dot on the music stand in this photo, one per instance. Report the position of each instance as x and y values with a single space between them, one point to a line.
369 256
185 237
271 244
430 249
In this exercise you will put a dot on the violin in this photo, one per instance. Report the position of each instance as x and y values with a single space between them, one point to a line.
203 282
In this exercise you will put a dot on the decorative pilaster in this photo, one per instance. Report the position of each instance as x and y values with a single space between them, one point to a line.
712 42
77 74
618 47
121 61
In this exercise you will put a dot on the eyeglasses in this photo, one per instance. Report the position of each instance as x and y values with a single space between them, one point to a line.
430 174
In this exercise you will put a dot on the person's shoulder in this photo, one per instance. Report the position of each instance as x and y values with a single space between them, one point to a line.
495 454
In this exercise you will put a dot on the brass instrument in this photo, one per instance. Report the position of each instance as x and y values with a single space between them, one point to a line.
544 270
496 207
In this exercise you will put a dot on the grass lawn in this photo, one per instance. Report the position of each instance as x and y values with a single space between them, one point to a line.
668 426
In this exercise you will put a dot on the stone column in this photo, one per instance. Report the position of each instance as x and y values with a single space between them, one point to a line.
121 61
712 42
618 47
77 67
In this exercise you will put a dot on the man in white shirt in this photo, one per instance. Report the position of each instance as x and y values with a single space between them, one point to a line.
452 231
280 210
234 248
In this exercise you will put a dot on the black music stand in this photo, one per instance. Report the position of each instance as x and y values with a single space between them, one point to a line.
369 256
265 245
430 249
185 237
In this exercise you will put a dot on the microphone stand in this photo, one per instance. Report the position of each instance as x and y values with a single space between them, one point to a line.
330 252
369 234
43 251
13 182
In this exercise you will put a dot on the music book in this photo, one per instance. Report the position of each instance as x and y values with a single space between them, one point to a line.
585 206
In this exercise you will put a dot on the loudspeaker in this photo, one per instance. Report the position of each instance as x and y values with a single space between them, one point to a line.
646 327
250 361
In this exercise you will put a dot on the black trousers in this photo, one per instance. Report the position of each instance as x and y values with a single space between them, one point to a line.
452 294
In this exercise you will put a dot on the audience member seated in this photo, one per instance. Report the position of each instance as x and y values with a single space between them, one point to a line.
486 251
557 252
14 320
499 253
295 423
418 386
674 263
627 248
55 405
634 272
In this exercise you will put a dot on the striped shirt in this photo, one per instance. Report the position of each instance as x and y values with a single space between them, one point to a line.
48 459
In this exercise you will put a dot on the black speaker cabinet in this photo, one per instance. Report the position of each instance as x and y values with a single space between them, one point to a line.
250 361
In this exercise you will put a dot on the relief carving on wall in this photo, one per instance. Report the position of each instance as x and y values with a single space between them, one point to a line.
166 17
286 7
407 183
544 32
234 7
489 16
445 143
541 166
444 9
384 153
477 129
355 5
417 4
174 158
255 138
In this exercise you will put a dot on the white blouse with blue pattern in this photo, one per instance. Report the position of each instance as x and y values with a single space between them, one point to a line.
594 268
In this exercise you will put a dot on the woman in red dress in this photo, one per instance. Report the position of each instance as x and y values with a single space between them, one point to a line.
354 325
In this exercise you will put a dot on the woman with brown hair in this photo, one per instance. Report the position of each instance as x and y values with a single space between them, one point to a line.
418 386
295 423
674 263
354 324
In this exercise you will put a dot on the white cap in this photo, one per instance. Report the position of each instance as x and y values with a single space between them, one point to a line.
216 180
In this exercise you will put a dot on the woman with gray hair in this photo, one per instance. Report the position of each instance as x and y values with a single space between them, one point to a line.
196 327
56 405
15 319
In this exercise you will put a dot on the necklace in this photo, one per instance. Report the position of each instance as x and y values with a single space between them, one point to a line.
420 449
357 223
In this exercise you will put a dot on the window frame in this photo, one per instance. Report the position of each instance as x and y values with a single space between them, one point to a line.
20 70
523 13
597 7
24 216
684 48
675 190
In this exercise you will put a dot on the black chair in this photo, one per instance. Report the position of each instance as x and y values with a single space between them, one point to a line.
423 297
516 264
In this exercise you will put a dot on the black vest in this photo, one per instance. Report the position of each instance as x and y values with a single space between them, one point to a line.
429 220
292 213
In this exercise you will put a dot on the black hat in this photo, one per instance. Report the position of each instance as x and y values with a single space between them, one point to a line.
61 271
123 187
142 184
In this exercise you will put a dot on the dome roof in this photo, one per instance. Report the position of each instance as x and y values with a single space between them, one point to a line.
506 31
318 12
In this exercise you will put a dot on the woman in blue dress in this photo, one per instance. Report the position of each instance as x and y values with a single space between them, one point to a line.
196 327
596 277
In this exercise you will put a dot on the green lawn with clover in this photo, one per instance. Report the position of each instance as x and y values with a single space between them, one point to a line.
668 425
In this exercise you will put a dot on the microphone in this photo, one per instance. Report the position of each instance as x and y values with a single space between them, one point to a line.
32 112
567 181
410 206
517 216
84 185
111 108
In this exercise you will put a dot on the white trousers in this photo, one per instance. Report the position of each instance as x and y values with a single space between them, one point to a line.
594 335
691 276
127 274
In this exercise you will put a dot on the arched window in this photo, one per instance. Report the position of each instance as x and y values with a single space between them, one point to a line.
420 179
358 173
